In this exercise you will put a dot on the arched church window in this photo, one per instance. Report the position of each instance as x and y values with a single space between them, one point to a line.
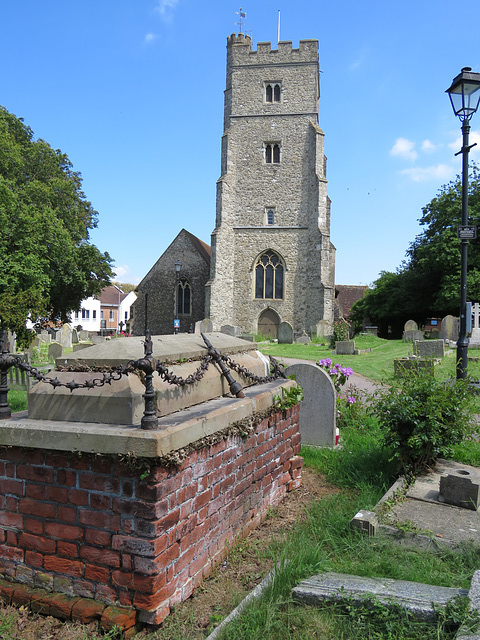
273 92
269 272
272 153
270 215
184 298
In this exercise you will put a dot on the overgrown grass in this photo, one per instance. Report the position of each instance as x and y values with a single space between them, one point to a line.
323 541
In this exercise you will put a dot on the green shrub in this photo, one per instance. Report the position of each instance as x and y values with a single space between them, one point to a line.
423 418
341 331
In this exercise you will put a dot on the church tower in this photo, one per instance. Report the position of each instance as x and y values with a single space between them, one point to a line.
272 259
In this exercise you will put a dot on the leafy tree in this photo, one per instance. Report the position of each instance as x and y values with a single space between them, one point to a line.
47 265
428 283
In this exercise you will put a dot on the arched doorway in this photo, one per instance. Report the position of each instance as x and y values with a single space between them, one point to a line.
268 322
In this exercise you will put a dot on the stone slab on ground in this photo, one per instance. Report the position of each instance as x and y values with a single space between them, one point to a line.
165 347
417 598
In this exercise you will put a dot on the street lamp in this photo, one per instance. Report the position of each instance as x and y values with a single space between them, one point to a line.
464 96
176 322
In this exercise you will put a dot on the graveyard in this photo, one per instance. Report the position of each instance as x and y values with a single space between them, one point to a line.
338 482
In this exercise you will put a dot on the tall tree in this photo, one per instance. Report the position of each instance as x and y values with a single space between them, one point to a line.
47 264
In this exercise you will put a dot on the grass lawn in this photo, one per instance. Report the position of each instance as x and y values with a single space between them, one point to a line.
376 364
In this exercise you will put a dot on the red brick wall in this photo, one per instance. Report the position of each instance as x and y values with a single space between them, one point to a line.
88 526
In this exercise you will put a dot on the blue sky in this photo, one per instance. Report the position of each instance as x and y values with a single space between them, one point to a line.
132 92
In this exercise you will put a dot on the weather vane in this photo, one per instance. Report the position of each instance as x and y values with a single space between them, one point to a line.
243 15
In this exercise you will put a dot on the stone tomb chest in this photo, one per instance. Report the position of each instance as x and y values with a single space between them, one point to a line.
122 403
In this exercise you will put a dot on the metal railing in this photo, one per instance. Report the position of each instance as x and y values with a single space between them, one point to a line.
148 365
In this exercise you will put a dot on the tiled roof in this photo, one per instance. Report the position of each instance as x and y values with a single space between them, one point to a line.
111 296
346 295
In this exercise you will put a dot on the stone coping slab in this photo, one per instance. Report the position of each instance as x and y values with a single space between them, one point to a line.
165 347
174 431
416 597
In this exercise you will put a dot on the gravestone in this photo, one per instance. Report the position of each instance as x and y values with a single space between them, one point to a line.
345 347
429 348
204 326
98 339
75 339
303 338
55 350
412 335
82 335
318 411
475 336
66 336
323 329
449 330
44 336
410 325
230 330
402 366
285 333
80 346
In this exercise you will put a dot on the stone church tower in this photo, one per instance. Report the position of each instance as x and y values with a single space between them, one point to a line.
272 259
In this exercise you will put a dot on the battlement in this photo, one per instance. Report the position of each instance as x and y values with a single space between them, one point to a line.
240 47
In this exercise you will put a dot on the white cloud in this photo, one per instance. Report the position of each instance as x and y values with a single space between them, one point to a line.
473 138
165 9
404 149
150 37
428 146
423 174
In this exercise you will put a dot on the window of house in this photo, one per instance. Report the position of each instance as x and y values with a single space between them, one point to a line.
184 298
273 91
111 315
94 314
101 314
269 272
76 315
272 153
85 314
126 315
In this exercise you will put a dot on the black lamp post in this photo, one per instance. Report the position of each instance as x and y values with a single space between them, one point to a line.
465 96
178 266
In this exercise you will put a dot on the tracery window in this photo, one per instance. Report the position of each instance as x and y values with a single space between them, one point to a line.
270 215
184 298
269 272
272 153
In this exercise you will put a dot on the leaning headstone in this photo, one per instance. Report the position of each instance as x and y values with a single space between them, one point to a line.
75 339
412 335
55 350
345 347
429 348
449 329
204 326
303 338
230 330
285 333
318 412
410 325
66 336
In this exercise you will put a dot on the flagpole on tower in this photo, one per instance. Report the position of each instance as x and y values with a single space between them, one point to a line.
278 34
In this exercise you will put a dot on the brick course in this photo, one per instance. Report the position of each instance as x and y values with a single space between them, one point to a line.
124 540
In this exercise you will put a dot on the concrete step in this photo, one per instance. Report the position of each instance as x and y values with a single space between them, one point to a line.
417 598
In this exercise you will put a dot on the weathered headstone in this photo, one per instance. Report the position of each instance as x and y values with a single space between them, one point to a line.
324 330
303 338
285 333
318 412
475 335
55 350
230 330
66 336
82 335
204 326
412 335
345 347
44 336
80 346
429 348
75 339
410 325
403 365
449 329
98 339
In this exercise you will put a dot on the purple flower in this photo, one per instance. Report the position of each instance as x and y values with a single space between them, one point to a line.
351 399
